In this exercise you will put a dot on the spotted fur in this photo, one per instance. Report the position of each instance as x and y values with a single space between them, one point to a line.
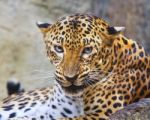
47 103
96 60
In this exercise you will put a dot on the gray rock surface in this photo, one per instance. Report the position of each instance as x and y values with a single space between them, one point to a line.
133 14
136 111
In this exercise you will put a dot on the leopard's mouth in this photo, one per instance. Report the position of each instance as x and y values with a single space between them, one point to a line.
73 89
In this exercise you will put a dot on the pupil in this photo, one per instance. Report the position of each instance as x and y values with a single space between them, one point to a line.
88 50
58 48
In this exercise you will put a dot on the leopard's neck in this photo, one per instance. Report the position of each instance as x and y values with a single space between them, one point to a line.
123 54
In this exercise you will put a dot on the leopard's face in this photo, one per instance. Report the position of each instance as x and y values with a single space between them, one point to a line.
74 46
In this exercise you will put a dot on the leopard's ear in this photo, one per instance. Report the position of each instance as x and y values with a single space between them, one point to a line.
115 30
112 33
43 26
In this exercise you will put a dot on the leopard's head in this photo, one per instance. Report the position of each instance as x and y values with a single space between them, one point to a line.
74 45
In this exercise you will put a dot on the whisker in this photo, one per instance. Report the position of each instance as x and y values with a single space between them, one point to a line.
37 77
88 82
38 74
41 71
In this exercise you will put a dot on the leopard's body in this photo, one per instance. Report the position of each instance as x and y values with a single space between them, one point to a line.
96 61
46 104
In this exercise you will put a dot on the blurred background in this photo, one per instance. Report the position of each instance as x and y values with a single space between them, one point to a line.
22 51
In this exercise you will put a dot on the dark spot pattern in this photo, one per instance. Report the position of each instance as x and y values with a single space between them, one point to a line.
63 114
12 115
28 109
115 105
8 108
67 111
54 106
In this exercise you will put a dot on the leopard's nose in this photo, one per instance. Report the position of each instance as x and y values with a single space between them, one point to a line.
71 79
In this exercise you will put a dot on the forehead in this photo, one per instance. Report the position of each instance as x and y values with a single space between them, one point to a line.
77 30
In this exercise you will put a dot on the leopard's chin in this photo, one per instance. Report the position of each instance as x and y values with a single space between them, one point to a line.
74 90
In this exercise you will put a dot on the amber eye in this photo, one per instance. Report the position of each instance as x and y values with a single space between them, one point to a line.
58 49
87 50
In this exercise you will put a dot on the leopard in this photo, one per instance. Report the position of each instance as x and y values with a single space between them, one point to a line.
96 62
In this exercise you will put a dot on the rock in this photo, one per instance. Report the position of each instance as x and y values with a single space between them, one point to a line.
136 111
133 14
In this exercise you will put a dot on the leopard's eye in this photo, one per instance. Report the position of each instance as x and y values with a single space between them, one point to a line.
58 49
87 50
